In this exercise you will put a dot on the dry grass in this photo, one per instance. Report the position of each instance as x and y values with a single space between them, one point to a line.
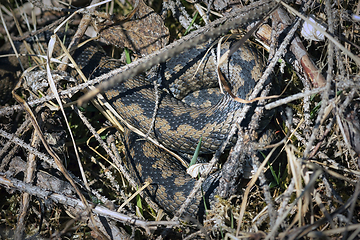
309 191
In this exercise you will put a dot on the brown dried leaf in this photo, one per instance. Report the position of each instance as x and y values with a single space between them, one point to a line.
143 33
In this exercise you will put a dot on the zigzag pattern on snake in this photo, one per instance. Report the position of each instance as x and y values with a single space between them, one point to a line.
178 126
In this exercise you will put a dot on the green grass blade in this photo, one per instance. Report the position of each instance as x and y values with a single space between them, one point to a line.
196 154
192 23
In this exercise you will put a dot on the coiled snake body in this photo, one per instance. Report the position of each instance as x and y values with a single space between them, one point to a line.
179 126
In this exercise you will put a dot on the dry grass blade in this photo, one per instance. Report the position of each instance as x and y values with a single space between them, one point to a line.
99 154
53 88
11 42
146 184
248 189
296 169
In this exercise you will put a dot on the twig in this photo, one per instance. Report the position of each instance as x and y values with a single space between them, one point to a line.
75 203
183 18
326 93
293 98
26 146
7 158
25 200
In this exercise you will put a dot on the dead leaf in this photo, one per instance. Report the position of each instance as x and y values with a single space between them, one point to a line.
143 32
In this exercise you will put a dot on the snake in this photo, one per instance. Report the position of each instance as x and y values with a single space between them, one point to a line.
178 126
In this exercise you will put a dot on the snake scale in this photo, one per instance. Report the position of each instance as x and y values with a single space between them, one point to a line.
178 126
